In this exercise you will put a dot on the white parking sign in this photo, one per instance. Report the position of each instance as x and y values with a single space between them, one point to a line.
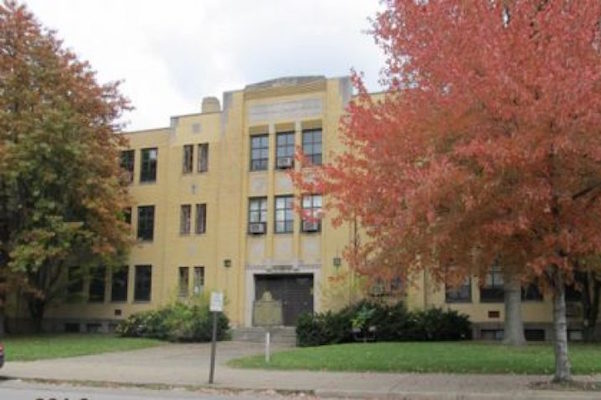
216 302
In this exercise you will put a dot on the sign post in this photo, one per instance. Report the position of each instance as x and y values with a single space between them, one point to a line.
215 307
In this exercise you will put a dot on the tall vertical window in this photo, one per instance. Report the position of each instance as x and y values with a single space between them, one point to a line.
284 216
531 292
97 284
257 215
284 150
201 219
493 289
312 145
199 280
184 219
187 158
259 152
143 283
311 213
74 281
203 157
127 163
119 282
461 294
146 222
183 281
148 165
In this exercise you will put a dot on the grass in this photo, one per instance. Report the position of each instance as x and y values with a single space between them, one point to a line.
39 347
449 357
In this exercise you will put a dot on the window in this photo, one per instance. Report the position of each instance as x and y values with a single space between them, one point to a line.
531 293
259 152
284 222
284 150
188 159
199 280
573 294
311 213
203 157
184 281
312 145
74 281
184 219
461 294
97 284
127 215
148 166
119 281
201 219
257 215
143 283
146 223
386 287
492 291
127 163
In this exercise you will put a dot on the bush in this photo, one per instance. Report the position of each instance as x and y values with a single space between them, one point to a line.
392 322
178 322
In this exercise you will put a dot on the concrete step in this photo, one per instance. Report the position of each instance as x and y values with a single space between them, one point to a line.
280 334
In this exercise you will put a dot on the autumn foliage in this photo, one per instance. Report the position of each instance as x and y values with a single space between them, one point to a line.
486 146
60 189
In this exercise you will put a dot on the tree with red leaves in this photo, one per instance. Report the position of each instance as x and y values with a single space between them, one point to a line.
485 148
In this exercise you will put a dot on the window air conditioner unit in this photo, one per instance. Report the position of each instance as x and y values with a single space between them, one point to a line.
285 162
310 226
256 228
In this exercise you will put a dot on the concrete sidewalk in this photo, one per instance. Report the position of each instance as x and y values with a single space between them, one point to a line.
188 365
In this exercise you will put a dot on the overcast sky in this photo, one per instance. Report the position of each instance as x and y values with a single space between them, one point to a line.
170 54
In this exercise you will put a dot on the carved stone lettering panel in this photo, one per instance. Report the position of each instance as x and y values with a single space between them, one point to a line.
287 110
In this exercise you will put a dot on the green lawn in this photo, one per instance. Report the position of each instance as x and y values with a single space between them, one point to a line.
37 347
455 357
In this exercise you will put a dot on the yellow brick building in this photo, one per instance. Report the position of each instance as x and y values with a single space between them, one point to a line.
212 210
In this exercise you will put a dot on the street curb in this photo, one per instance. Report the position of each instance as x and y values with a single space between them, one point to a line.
330 393
530 395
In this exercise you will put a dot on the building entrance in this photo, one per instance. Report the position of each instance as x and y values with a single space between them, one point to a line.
294 291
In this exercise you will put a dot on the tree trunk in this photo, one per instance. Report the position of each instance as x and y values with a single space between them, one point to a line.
562 362
514 325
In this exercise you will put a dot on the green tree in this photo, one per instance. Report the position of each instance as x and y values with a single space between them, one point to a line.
61 188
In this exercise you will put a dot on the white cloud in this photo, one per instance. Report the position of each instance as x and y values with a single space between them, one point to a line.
171 54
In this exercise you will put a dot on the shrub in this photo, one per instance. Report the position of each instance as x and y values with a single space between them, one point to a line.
392 322
182 322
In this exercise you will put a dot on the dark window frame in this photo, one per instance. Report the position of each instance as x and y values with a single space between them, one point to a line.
198 280
460 294
97 284
258 215
187 159
493 291
260 145
203 158
288 213
284 148
531 292
75 281
183 281
148 165
127 162
119 284
200 219
146 223
313 148
143 283
185 219
311 212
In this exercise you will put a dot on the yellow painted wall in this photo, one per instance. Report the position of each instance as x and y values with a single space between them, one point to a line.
226 188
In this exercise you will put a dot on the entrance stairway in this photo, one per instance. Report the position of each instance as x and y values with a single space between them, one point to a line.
279 335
